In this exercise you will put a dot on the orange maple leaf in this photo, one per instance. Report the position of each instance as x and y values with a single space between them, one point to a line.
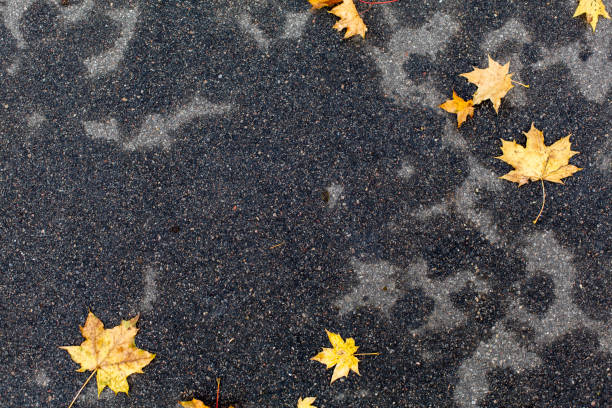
493 82
460 107
349 19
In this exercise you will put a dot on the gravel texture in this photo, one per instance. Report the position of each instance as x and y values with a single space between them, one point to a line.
243 178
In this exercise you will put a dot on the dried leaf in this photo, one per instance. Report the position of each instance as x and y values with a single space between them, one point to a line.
460 107
349 19
317 4
111 353
593 9
341 356
537 161
493 82
306 402
194 403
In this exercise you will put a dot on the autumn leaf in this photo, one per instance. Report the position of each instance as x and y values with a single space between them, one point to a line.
349 19
317 4
593 9
342 355
111 353
493 82
306 402
460 107
194 403
537 161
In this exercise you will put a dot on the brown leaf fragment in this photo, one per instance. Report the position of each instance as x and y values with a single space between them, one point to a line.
592 9
493 82
460 107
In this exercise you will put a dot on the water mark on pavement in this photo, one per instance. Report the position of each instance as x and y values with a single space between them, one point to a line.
156 129
496 44
428 40
150 292
444 315
333 194
406 171
465 202
588 61
543 254
501 350
376 287
241 14
109 60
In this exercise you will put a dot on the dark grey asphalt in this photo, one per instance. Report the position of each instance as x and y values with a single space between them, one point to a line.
244 179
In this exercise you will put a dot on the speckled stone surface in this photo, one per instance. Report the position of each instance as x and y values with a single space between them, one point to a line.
244 179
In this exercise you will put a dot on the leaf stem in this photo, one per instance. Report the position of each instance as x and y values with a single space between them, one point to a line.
366 354
218 386
83 386
543 201
518 83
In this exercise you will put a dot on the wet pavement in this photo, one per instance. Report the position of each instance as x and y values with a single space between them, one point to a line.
244 179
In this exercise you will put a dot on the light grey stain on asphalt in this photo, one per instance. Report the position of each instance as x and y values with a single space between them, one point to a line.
295 24
156 129
376 287
444 315
465 201
150 292
109 60
108 130
12 13
335 194
495 45
427 40
544 255
406 171
77 12
249 27
592 74
499 351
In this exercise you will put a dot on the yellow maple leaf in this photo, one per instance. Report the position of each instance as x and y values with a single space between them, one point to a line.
593 9
493 82
306 402
536 161
194 403
460 107
317 4
349 19
342 355
111 353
